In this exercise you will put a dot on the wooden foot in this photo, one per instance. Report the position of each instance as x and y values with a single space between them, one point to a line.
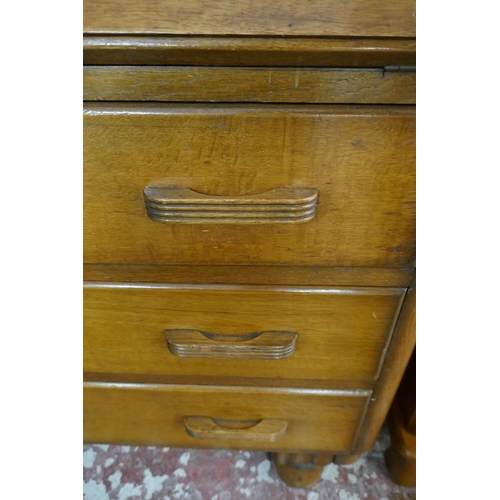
402 466
345 459
401 456
300 470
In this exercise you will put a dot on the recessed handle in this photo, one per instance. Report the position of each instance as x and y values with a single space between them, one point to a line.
181 204
262 345
267 429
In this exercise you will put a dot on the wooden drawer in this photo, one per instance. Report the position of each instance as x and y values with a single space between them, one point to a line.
262 85
333 336
278 419
359 160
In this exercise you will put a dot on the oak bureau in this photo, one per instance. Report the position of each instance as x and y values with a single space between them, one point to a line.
249 224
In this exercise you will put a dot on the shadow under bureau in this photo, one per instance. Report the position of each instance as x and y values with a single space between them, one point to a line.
249 225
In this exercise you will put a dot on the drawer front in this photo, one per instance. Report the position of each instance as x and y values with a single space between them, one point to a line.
222 417
219 84
264 334
285 185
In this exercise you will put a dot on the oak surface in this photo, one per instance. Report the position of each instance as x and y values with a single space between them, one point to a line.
259 345
264 430
154 415
248 275
337 280
398 355
329 18
360 159
240 380
264 85
341 333
248 51
401 456
181 204
300 470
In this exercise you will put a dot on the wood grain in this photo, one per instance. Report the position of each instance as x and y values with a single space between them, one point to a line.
266 430
241 381
396 360
261 345
406 397
271 85
401 456
181 204
137 414
346 459
248 51
361 160
338 280
300 470
248 275
342 333
330 18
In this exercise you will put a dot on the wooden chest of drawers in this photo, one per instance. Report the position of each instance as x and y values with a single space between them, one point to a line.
249 224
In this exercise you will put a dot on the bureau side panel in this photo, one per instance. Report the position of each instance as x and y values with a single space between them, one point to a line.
398 354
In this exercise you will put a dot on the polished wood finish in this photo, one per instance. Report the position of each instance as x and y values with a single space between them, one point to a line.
261 345
154 415
265 85
406 397
342 333
400 350
361 160
248 275
241 380
401 457
327 18
278 205
300 470
267 429
227 102
346 459
248 51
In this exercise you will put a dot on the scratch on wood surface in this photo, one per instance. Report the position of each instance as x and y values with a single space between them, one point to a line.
297 77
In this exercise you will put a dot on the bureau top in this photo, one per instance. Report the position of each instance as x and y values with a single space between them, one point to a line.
307 18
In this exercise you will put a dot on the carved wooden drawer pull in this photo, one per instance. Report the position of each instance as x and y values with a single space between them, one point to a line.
267 429
196 344
180 204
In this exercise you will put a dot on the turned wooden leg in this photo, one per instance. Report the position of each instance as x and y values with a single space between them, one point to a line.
300 470
345 459
401 456
402 465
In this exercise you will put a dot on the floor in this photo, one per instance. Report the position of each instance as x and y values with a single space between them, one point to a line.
133 473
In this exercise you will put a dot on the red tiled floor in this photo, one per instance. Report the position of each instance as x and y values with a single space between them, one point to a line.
133 473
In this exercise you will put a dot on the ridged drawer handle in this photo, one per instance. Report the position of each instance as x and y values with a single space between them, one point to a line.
267 429
264 345
181 204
